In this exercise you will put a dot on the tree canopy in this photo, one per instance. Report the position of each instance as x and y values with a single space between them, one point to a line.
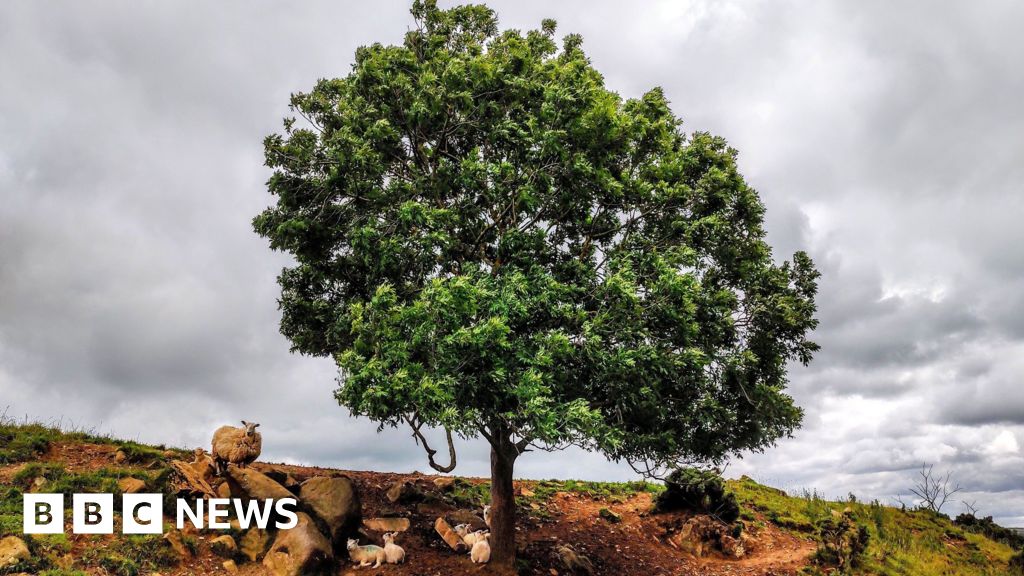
489 240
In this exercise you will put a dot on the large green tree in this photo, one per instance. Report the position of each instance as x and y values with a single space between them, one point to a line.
490 242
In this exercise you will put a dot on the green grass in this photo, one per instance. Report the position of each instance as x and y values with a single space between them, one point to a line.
131 555
21 441
902 543
476 494
599 490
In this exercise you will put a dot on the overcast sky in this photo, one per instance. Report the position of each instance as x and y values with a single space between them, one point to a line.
886 139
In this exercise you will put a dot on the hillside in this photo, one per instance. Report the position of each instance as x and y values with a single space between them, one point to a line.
612 525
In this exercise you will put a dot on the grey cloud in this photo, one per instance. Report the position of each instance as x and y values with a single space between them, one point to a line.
885 140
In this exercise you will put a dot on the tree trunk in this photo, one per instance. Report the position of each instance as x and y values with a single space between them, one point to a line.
503 506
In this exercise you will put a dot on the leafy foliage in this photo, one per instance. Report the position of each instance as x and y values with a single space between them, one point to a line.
842 542
702 491
989 528
488 239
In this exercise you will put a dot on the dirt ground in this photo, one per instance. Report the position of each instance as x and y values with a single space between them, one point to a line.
637 545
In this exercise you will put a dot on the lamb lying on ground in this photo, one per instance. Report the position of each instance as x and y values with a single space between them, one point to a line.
481 552
364 555
393 553
239 446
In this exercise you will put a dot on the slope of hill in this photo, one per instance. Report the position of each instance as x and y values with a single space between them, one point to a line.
611 525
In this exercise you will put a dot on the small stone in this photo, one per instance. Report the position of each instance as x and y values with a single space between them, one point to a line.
254 544
224 546
224 490
177 543
39 482
230 566
444 483
387 524
609 515
526 492
12 551
131 485
402 491
120 457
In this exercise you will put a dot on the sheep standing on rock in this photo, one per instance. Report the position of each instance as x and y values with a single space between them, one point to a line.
239 446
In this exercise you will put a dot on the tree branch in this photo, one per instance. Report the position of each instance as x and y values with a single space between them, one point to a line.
415 423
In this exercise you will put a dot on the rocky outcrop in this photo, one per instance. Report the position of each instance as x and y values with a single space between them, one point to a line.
334 501
257 485
300 550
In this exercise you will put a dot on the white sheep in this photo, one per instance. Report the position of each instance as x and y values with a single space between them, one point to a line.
461 530
365 554
473 537
240 446
487 515
481 552
393 553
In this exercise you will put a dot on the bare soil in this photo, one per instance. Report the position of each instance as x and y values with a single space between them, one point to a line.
637 545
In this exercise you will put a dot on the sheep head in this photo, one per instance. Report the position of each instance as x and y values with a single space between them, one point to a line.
250 428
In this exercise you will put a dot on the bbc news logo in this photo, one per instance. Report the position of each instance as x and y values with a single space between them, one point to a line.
144 513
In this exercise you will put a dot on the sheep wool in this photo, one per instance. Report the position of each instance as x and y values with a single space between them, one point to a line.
239 446
365 555
393 553
481 552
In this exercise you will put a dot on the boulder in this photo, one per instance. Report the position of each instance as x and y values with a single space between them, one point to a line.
224 546
387 524
467 517
256 485
452 538
282 477
230 566
403 491
12 551
432 506
131 485
335 501
298 551
120 457
254 543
